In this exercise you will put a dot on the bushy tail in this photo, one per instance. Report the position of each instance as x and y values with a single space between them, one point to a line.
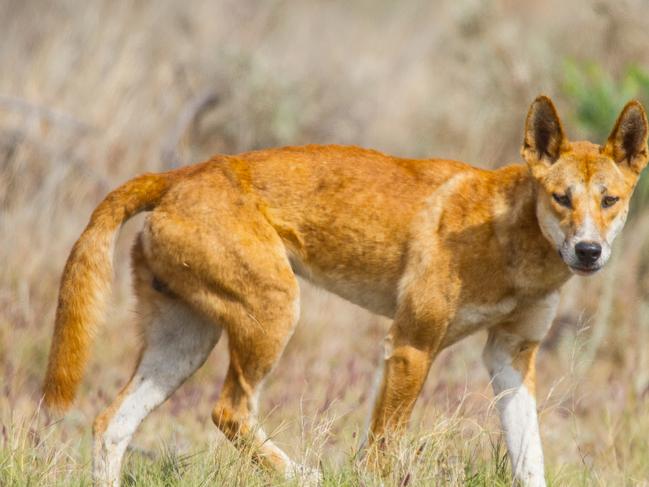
86 282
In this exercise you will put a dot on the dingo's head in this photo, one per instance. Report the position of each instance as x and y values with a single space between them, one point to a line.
583 189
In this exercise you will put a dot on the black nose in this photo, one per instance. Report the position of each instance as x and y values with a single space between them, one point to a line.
588 252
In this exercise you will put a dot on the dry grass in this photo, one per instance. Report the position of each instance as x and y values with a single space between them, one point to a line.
92 93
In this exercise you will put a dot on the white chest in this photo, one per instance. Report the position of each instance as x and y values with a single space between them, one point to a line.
471 317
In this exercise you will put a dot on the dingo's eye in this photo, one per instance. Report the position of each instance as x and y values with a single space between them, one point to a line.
608 201
562 199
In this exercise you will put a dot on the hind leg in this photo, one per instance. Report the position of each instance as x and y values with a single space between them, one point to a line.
258 328
236 273
223 257
252 357
176 342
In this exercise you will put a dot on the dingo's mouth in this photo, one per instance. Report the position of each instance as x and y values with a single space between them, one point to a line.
585 271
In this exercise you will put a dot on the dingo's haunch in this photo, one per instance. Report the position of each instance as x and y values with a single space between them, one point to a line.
443 248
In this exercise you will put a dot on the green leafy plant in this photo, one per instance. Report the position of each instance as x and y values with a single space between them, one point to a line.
598 97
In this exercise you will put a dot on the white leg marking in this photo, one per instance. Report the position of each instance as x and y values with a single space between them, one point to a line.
376 387
374 395
515 402
177 343
517 408
261 438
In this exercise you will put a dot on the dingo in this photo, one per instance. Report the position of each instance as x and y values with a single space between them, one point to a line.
444 248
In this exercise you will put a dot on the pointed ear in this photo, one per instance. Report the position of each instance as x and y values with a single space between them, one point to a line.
627 143
544 138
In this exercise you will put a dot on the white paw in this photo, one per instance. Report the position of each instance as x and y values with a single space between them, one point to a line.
306 475
531 479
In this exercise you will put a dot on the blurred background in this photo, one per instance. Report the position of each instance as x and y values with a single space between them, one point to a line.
93 93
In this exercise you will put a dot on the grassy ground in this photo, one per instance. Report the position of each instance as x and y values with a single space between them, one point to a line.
92 93
594 420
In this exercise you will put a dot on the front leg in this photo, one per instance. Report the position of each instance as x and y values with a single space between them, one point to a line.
404 372
510 355
409 349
